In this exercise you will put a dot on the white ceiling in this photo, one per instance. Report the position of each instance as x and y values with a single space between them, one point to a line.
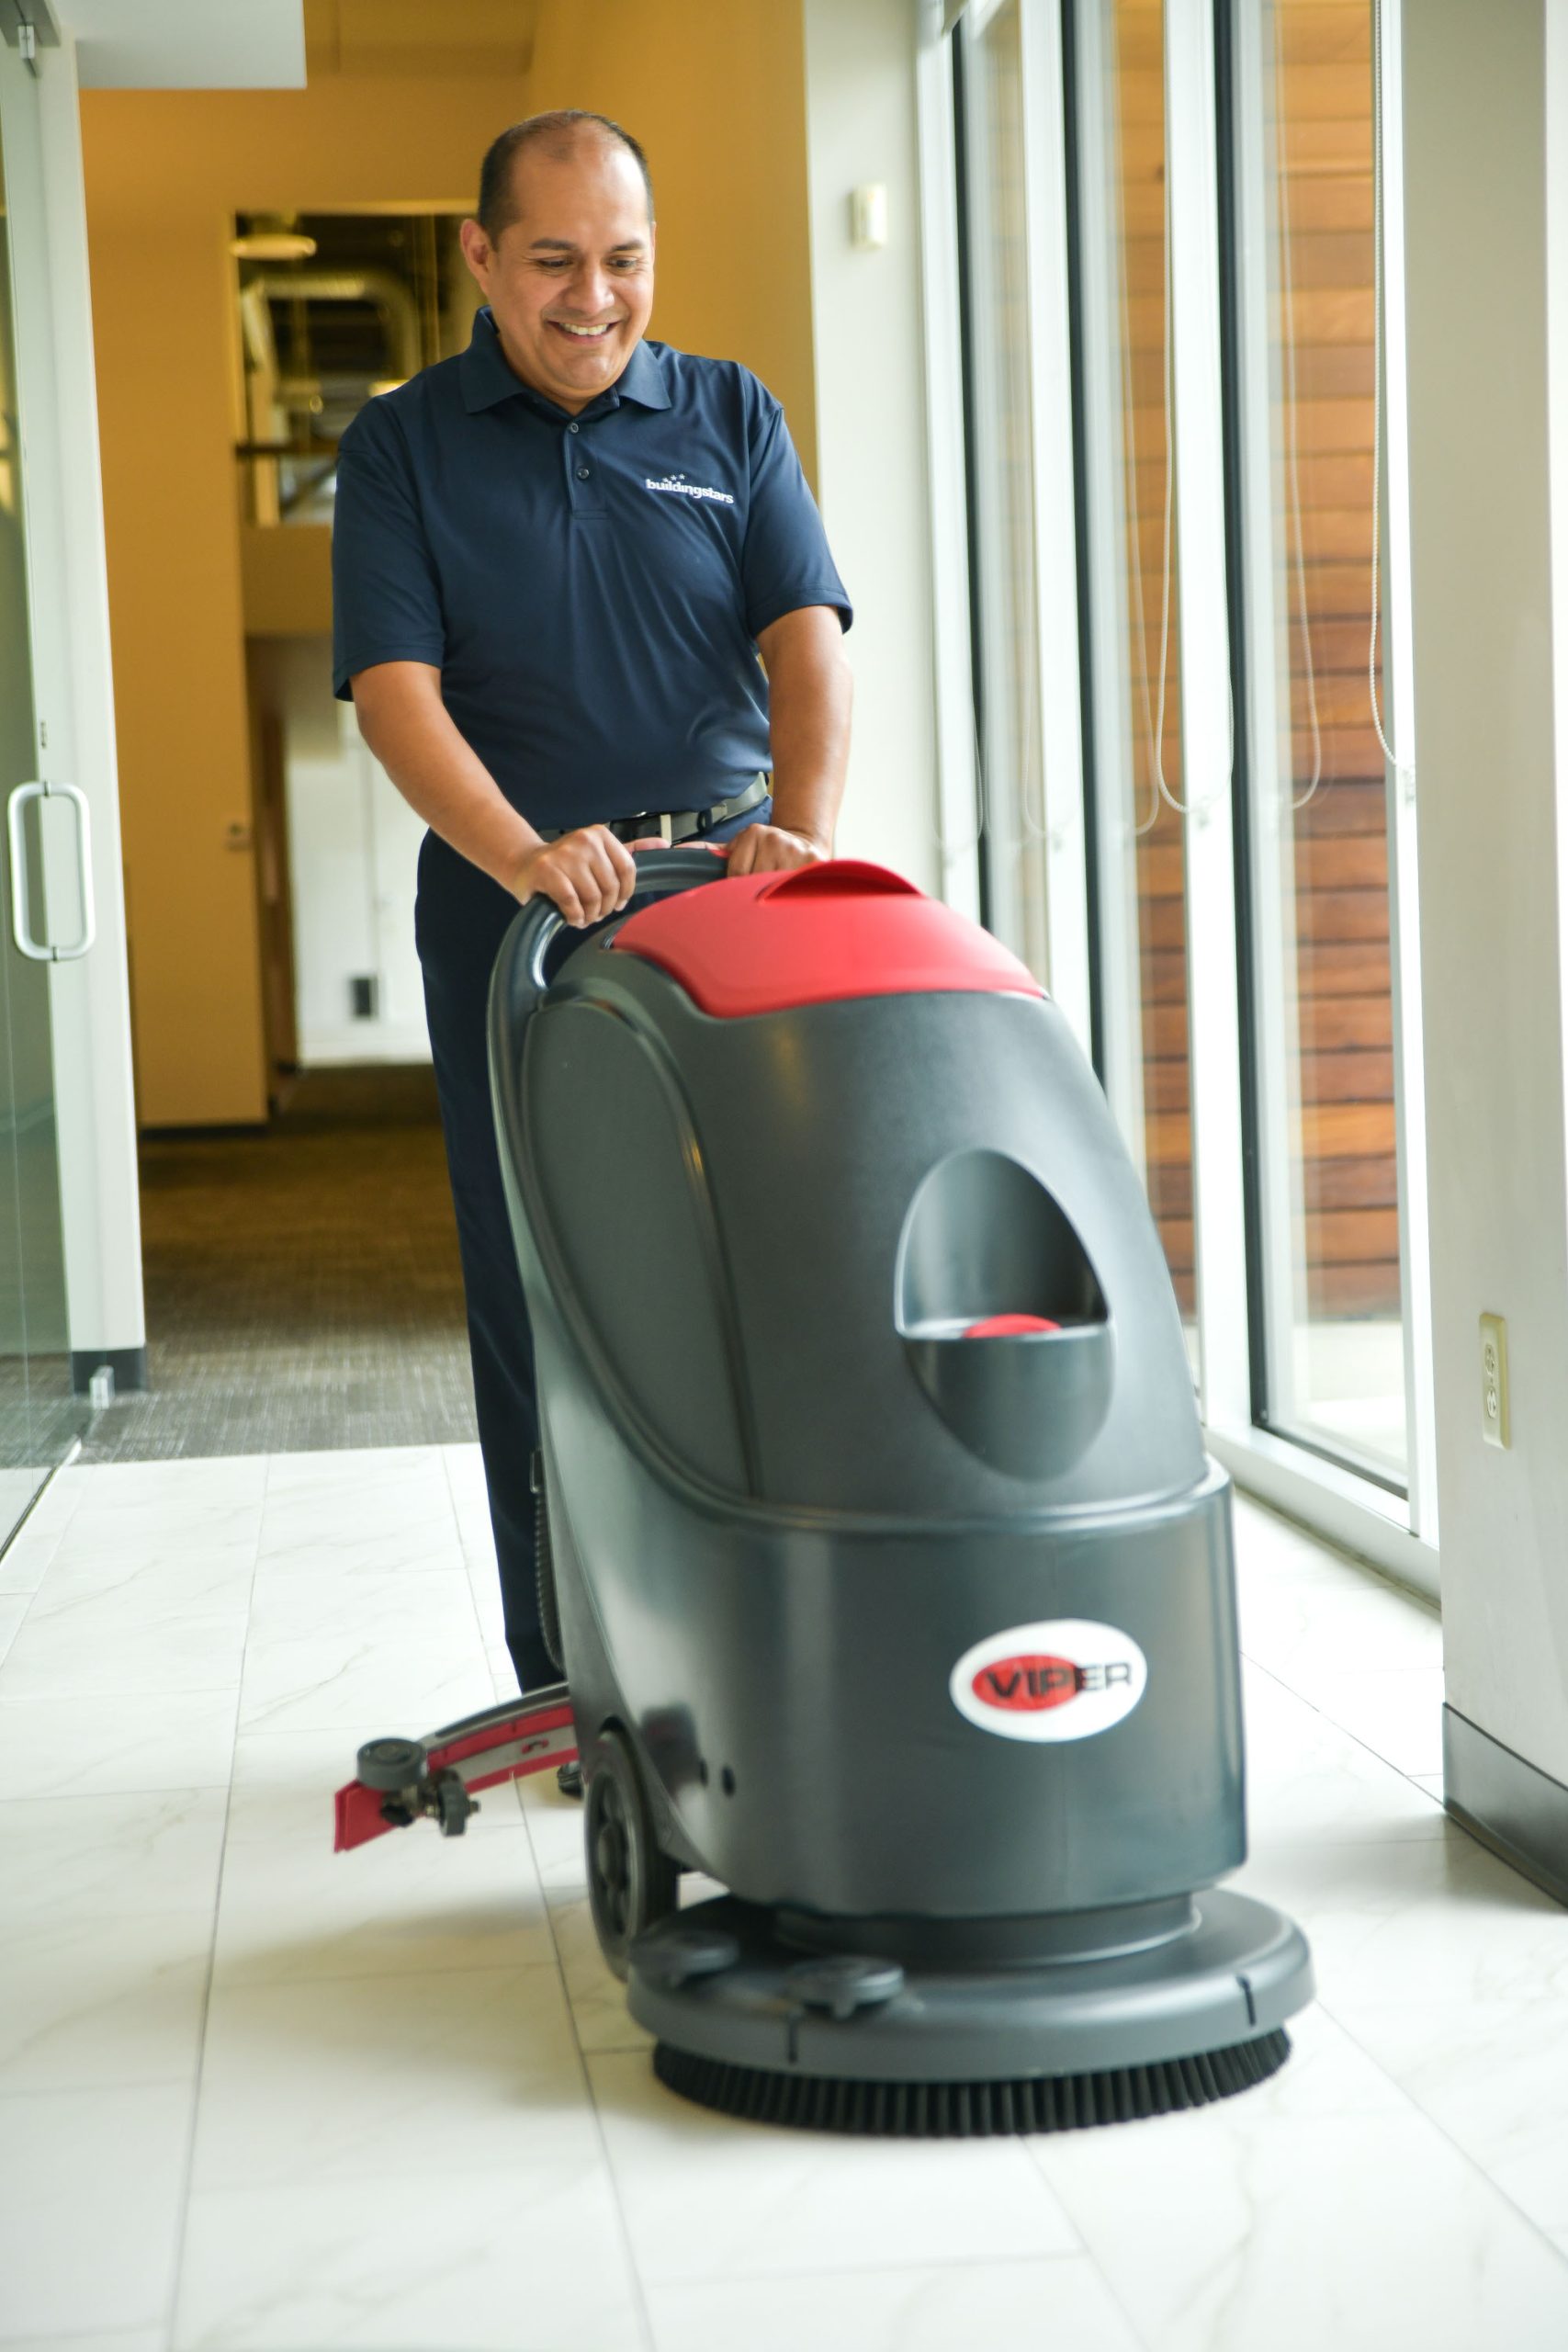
187 44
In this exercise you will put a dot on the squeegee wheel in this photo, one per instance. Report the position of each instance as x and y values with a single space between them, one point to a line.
631 1886
390 1764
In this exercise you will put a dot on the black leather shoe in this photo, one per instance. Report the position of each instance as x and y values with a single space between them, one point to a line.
569 1779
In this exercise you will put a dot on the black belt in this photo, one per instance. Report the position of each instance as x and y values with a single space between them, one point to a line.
673 824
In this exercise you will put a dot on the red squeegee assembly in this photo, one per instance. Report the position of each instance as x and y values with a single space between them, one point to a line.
403 1780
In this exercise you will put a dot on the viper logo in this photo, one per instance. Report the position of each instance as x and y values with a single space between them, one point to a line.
1038 1681
1066 1677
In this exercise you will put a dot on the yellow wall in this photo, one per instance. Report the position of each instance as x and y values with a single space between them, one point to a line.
715 90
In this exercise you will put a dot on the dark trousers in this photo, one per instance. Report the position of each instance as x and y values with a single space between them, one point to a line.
461 920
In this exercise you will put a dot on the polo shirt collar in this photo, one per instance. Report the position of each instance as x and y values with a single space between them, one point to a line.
487 379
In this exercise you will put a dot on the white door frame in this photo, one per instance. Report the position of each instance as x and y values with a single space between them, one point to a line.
74 697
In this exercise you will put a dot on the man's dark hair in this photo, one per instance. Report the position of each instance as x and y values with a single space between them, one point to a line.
559 133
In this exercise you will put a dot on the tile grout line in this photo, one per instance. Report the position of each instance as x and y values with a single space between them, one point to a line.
30 1597
468 1580
1407 2096
181 2234
1472 2163
1366 1572
948 2264
1345 1732
639 2285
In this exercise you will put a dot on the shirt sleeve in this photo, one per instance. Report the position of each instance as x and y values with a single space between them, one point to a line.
385 595
786 563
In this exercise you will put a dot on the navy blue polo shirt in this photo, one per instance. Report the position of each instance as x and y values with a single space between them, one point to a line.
591 587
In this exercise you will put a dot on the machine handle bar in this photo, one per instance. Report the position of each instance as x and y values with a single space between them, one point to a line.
527 963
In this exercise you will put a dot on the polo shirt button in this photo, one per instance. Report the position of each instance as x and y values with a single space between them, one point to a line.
583 473
572 429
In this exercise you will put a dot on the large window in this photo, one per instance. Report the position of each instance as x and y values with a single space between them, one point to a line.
1226 421
1310 429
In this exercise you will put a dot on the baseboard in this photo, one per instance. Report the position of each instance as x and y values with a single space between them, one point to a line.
129 1367
1511 1806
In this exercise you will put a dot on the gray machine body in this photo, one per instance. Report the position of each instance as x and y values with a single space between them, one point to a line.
787 1496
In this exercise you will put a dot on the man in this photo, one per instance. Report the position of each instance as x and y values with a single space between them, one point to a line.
556 561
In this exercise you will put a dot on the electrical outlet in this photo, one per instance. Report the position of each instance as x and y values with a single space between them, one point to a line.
1495 1380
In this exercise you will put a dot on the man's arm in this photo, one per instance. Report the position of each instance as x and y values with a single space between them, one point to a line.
810 692
404 721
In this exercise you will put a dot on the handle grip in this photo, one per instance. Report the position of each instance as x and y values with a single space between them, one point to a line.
527 964
38 951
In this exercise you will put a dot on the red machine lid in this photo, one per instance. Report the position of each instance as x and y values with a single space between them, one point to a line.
765 941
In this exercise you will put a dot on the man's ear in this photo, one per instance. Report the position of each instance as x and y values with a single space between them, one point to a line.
477 252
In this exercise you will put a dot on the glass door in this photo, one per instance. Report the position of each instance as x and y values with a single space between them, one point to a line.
40 1418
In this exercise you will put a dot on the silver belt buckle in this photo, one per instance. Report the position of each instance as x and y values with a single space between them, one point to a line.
666 828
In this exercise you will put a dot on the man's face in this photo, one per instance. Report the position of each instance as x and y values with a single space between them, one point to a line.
570 280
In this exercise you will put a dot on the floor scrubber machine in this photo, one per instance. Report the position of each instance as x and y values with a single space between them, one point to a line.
891 1582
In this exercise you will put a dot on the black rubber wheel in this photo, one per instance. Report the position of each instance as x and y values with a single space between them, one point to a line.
390 1764
545 1575
631 1886
453 1805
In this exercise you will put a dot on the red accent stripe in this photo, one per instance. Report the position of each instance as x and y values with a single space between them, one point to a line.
1010 1327
522 1725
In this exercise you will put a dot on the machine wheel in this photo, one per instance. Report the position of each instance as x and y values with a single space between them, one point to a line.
390 1764
453 1803
631 1886
545 1572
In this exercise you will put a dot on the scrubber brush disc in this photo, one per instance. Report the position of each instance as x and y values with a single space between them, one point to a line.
748 2024
972 2110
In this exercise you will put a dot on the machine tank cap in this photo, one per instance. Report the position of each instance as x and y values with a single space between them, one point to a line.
817 934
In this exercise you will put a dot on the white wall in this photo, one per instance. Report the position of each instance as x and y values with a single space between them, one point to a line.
352 851
1486 253
871 426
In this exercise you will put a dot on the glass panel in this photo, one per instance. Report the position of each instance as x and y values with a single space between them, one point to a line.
1322 990
38 1416
1133 607
1001 461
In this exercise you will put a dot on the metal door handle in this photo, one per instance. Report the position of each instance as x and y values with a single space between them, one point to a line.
38 951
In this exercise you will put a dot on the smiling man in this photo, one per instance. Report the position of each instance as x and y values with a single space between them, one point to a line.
556 560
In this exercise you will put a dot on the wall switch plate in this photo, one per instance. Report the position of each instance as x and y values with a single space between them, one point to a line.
1495 1380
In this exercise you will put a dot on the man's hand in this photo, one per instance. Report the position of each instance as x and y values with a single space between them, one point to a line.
588 874
771 849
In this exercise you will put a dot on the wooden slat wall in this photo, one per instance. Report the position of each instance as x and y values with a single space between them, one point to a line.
1350 1243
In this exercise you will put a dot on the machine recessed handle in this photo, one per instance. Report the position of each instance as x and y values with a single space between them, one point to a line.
841 877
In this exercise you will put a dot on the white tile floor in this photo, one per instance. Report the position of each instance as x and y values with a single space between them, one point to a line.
255 2096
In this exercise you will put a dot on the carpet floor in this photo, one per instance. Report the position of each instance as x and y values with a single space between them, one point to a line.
303 1285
